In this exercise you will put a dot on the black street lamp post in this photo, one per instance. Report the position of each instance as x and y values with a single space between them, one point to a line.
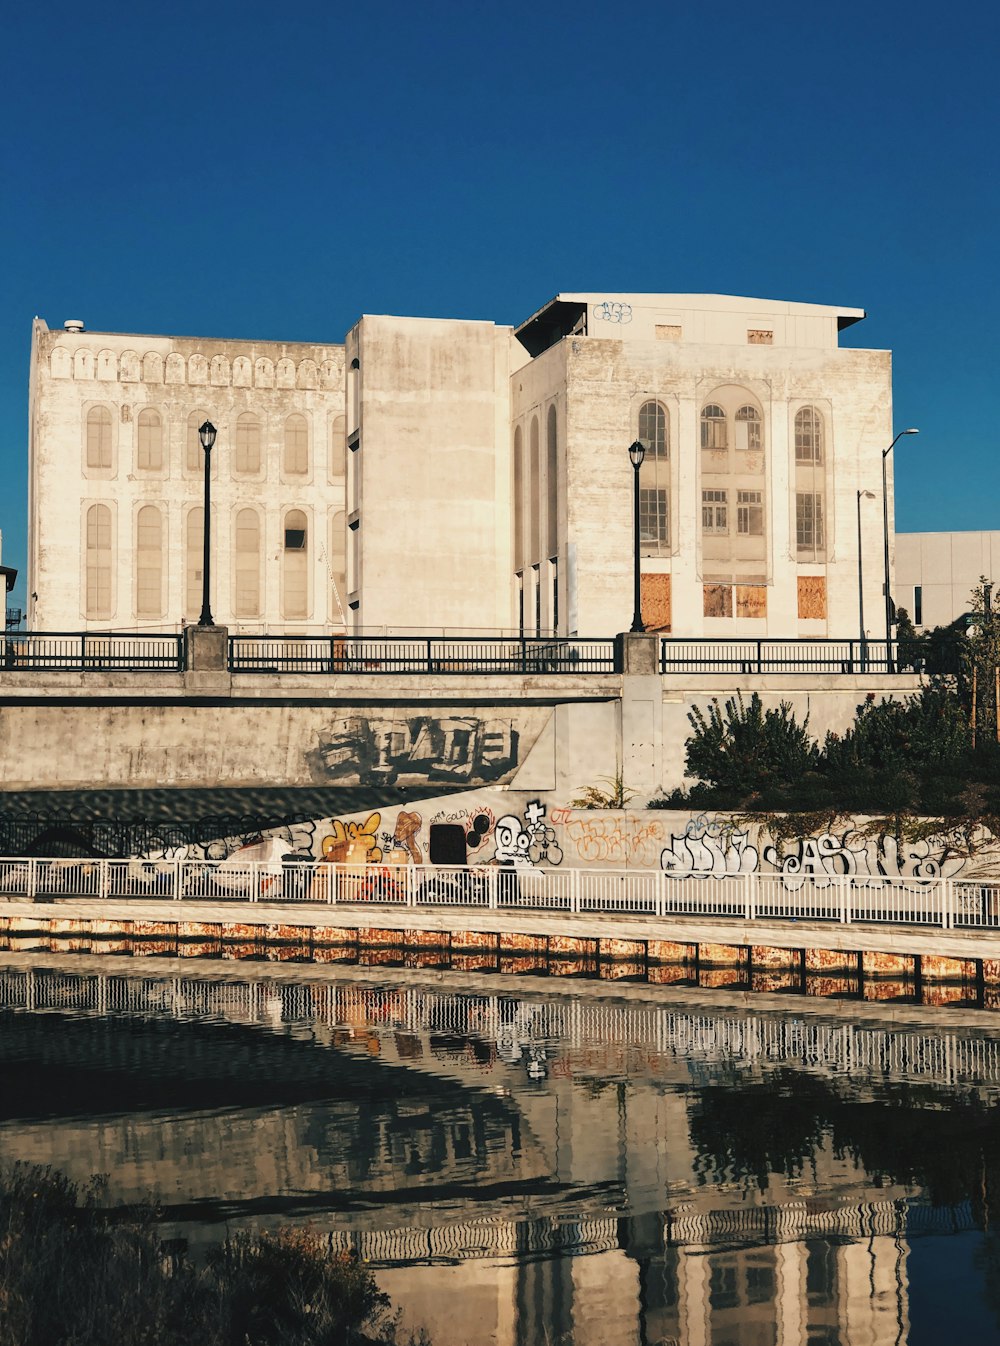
207 433
636 452
890 662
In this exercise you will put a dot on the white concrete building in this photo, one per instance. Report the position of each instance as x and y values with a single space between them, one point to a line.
455 476
937 572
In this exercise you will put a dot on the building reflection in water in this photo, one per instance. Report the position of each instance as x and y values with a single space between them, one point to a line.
525 1171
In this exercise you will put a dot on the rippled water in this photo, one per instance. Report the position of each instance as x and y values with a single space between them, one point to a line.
538 1169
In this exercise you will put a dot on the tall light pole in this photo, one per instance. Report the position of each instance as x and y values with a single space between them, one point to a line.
636 452
207 433
868 495
890 662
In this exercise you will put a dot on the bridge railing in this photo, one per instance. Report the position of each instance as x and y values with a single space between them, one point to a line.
419 654
745 898
821 655
92 652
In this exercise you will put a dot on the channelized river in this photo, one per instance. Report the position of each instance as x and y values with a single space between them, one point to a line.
537 1169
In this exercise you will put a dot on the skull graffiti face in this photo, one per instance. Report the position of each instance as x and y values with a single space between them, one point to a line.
512 841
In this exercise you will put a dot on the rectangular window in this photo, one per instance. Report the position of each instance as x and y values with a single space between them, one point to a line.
918 605
714 511
654 524
808 521
295 539
750 513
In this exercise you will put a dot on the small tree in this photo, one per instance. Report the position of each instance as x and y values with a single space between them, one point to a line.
745 748
980 660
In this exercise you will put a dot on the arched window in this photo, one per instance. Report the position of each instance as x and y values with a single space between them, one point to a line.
99 437
713 427
194 454
750 417
98 593
149 455
295 566
808 436
535 501
296 446
148 562
552 483
194 558
247 564
518 499
653 429
246 458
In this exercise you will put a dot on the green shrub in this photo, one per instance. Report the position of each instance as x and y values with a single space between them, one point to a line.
743 748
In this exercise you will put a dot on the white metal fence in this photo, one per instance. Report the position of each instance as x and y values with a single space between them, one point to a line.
841 898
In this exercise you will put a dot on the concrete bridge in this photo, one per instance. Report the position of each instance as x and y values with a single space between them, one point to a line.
91 713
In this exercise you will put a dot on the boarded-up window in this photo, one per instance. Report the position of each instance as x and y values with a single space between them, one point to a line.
149 453
99 437
812 597
149 562
760 336
751 600
718 600
194 558
295 566
247 564
98 594
666 331
247 448
655 596
296 446
194 454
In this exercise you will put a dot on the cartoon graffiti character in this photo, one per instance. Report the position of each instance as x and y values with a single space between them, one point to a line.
543 845
405 835
351 836
512 843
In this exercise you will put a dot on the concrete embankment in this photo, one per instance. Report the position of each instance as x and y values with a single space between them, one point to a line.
922 964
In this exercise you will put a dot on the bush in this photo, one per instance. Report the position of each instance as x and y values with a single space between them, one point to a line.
743 748
75 1274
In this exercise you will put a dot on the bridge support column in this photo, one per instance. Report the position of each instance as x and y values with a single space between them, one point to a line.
206 659
641 715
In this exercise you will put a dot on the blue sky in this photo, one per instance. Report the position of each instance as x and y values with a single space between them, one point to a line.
275 170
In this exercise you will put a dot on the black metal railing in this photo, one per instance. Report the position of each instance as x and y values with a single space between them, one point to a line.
818 655
419 654
91 652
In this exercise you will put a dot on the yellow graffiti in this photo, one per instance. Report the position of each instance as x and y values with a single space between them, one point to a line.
352 836
626 840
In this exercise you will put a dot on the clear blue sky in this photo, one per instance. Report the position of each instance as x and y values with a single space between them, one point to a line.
276 170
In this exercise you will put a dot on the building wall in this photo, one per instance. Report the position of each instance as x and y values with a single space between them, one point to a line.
937 572
119 377
429 475
769 586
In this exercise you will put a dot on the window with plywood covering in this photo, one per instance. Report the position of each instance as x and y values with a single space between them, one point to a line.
296 460
149 562
99 437
97 600
246 456
295 566
194 559
149 447
247 559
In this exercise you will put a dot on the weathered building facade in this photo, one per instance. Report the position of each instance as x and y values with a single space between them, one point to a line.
459 476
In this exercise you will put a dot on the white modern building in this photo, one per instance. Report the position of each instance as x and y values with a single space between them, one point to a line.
448 475
937 572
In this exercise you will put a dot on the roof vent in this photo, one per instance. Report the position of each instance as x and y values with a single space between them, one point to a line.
73 325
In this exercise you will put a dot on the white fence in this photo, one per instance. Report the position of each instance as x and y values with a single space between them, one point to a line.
841 898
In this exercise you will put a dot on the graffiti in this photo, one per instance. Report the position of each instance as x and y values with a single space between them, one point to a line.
458 750
623 839
825 857
709 847
404 838
543 849
610 310
353 842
